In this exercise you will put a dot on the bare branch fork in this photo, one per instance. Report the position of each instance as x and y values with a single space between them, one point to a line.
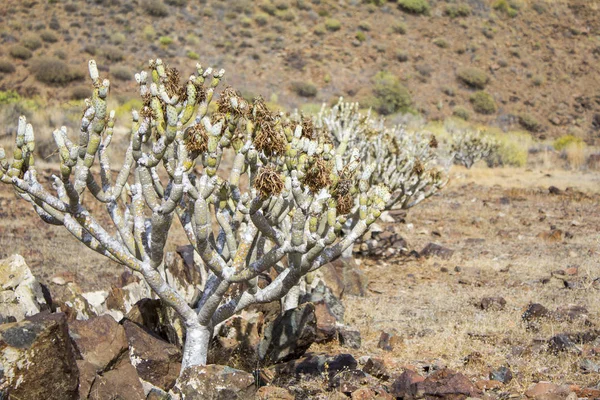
278 210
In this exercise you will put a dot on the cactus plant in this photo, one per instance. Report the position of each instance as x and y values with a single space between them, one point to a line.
277 210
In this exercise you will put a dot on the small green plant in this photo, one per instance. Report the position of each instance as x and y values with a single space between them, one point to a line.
538 80
192 55
364 26
165 40
457 10
483 102
20 52
506 7
49 36
32 42
390 95
304 89
473 77
441 43
117 38
149 32
261 19
414 6
155 8
9 97
268 7
399 28
360 36
529 122
333 24
285 15
6 67
566 140
461 112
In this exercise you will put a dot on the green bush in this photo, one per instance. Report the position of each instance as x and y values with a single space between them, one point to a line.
457 10
53 71
473 77
505 7
155 8
390 95
20 52
461 112
538 80
261 19
49 36
364 26
483 102
360 36
333 24
165 40
320 30
304 89
192 55
117 38
529 122
32 42
268 7
414 6
6 67
121 73
399 28
564 141
9 97
285 15
440 42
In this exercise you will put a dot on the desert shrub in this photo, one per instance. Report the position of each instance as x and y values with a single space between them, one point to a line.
402 55
192 55
71 8
399 28
165 40
469 146
473 77
268 8
60 54
539 8
285 15
282 5
121 73
112 53
529 122
177 3
360 36
414 6
49 36
90 49
261 19
155 8
6 67
506 7
483 102
117 38
53 71
461 112
20 52
566 140
538 80
32 42
54 24
80 92
364 26
149 32
390 95
9 97
304 89
333 24
457 10
513 149
320 30
441 42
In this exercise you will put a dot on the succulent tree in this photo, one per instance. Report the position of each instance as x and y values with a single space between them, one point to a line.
470 146
278 209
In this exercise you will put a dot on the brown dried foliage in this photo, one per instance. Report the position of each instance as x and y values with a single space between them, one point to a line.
196 139
344 204
418 168
433 143
268 133
268 182
308 128
318 174
224 103
172 85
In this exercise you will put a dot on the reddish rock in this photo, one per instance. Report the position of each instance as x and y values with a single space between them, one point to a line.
326 322
447 384
376 367
349 338
405 385
87 375
492 303
486 384
155 360
99 340
434 249
215 382
389 341
366 393
37 359
273 393
121 383
547 391
316 364
353 278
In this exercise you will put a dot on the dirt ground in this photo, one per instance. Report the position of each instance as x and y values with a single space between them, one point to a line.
511 238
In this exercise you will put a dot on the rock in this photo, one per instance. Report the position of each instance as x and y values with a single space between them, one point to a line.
215 382
273 393
158 394
554 190
448 384
21 294
96 299
366 393
290 335
121 383
156 361
159 319
237 342
87 375
349 338
434 249
571 313
121 300
492 303
37 359
535 311
589 366
332 279
99 340
317 364
354 280
553 236
502 374
405 386
71 302
181 273
485 384
376 367
322 293
547 391
388 341
351 380
326 323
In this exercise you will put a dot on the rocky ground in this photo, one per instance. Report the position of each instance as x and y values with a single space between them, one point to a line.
487 290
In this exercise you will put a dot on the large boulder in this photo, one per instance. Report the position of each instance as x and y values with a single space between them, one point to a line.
214 382
156 361
345 271
121 382
21 295
237 342
100 341
159 319
37 359
290 335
